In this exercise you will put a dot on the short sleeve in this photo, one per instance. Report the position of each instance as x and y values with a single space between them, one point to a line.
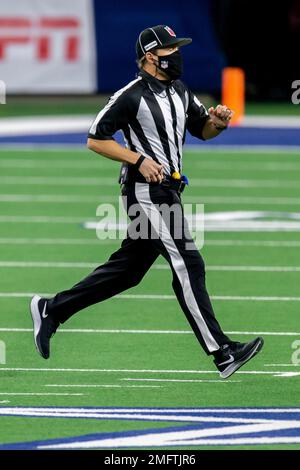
113 117
197 116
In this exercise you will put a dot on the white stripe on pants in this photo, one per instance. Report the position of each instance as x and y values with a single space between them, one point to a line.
143 197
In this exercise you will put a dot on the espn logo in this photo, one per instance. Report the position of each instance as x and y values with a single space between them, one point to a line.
45 36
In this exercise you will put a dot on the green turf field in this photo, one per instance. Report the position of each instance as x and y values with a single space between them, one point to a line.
68 105
253 278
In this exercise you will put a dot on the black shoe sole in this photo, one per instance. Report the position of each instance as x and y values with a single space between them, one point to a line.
234 366
36 320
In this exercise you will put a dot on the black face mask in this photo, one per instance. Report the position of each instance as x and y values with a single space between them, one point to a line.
171 64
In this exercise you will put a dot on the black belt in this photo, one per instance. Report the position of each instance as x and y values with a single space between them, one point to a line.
167 182
130 175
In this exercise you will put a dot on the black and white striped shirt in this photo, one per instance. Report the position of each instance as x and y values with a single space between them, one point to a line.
153 116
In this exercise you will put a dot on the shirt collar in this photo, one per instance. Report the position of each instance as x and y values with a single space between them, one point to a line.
156 85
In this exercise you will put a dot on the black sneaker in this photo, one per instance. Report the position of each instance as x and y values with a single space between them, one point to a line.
232 356
44 325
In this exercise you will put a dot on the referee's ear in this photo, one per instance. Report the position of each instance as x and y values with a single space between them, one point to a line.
149 55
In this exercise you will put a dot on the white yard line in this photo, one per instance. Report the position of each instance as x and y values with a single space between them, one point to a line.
48 163
55 241
58 181
40 394
287 374
38 219
102 386
240 200
151 371
256 243
214 297
151 332
67 264
256 298
231 165
92 241
241 183
283 365
73 198
167 297
42 264
233 221
57 198
182 380
253 268
102 164
111 181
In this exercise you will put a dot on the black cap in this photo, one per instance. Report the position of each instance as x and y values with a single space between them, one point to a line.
158 37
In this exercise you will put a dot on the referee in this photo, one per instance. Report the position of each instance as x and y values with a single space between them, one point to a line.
153 112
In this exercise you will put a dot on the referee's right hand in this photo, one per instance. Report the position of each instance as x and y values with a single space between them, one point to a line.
152 171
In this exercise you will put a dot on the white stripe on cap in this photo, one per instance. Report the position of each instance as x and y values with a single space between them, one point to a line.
143 50
156 36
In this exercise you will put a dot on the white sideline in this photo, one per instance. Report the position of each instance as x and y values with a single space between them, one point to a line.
167 297
151 332
167 411
16 126
11 126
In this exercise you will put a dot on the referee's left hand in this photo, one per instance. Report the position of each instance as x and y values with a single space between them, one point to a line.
220 115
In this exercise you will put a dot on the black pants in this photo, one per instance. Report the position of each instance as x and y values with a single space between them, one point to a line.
126 267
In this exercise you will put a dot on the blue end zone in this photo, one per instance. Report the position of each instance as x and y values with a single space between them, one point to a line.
239 136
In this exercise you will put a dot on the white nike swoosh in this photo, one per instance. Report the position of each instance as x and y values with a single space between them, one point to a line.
44 310
229 361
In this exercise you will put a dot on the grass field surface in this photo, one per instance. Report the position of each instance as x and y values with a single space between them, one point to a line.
137 350
57 105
